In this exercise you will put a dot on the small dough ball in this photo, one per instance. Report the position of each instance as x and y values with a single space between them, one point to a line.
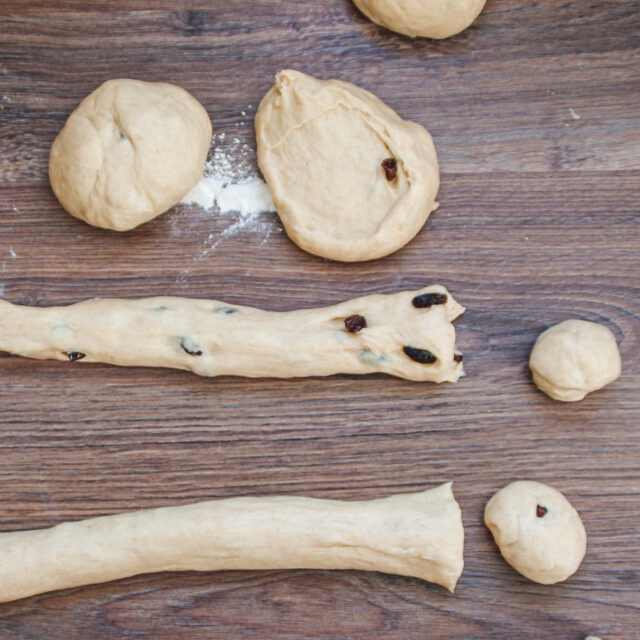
538 531
130 151
574 358
350 179
422 18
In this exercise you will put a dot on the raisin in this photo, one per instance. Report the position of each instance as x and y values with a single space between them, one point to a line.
541 511
420 355
390 166
75 355
457 357
189 349
227 311
426 300
355 323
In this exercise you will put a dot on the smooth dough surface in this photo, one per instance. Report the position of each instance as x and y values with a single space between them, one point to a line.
130 151
574 358
213 338
415 534
321 148
422 18
538 531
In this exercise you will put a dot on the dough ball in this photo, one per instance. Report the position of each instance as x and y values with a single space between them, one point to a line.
422 18
538 531
574 358
130 151
350 179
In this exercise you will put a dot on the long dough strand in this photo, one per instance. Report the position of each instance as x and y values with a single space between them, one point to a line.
414 534
407 334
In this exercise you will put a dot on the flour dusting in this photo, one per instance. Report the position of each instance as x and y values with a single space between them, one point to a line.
230 184
232 188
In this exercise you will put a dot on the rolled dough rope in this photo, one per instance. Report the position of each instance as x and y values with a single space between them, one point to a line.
407 334
414 534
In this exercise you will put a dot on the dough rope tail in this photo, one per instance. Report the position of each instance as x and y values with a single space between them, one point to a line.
414 534
407 334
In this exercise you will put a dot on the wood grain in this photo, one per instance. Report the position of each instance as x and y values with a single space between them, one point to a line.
539 221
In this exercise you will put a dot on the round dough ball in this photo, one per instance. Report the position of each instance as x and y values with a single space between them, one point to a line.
130 151
538 531
574 358
350 179
422 18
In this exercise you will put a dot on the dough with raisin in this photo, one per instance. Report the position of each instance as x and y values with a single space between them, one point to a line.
408 334
350 179
130 151
537 530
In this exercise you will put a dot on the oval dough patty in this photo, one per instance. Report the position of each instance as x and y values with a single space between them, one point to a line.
538 531
422 18
350 179
130 151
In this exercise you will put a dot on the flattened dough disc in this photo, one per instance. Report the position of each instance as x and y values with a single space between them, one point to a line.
350 179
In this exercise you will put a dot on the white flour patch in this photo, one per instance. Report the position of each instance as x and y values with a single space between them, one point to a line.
232 188
573 114
230 184
13 253
248 196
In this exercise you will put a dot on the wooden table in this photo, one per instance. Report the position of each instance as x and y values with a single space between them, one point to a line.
535 114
